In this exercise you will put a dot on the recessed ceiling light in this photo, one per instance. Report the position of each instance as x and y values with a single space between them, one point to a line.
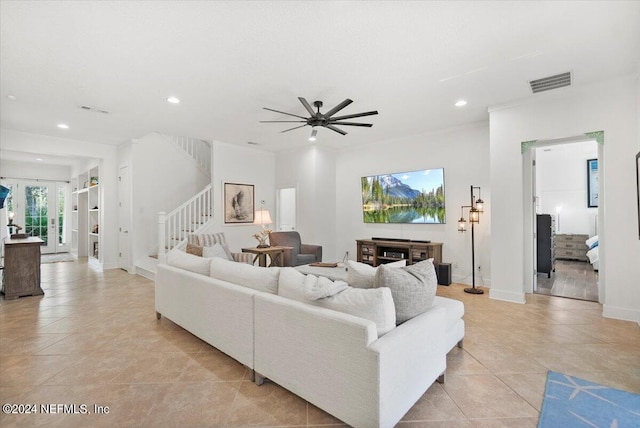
12 97
461 103
39 159
63 126
173 100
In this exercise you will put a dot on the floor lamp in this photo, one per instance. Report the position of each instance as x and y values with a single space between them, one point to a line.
475 209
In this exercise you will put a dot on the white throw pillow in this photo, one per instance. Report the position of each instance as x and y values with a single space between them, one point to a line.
291 284
323 287
362 275
591 241
216 250
255 277
413 288
374 304
182 260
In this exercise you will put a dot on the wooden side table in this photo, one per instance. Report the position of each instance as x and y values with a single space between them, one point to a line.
276 254
21 267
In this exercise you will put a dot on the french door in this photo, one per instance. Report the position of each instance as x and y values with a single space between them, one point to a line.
39 208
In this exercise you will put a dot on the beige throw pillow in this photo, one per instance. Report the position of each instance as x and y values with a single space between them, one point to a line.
413 288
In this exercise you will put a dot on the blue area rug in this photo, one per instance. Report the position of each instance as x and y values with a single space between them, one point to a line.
573 402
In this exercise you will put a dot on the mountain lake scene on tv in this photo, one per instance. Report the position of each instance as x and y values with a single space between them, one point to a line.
406 197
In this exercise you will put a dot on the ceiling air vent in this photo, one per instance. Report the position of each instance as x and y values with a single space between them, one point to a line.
94 109
551 82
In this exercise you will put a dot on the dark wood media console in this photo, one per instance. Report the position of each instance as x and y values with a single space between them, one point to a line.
376 251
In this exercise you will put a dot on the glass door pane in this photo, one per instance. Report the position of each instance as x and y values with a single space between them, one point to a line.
37 218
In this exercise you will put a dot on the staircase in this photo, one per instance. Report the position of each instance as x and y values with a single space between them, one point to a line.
190 217
198 150
192 159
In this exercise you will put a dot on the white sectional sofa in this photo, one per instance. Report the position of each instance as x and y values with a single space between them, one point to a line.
334 360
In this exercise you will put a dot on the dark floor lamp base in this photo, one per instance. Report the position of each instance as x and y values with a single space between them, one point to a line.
473 291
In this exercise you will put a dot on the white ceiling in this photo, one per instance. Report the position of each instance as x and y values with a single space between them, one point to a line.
411 61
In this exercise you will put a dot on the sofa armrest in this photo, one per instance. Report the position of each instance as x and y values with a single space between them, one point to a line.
411 357
312 249
247 258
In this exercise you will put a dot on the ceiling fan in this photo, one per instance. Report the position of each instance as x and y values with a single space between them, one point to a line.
326 120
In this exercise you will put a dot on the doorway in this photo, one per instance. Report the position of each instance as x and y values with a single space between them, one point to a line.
287 209
564 219
39 207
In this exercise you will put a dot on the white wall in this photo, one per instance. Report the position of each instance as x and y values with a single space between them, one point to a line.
32 170
245 165
107 155
162 178
609 106
561 185
464 155
312 171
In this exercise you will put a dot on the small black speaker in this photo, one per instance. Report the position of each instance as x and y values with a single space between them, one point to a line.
443 272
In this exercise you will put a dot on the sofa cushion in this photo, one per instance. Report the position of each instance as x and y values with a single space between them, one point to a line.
182 260
362 275
374 304
255 277
413 287
455 308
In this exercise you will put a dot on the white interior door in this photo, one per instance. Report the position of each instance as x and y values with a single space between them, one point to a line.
123 218
287 209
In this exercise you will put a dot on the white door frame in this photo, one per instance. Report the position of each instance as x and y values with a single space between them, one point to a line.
530 211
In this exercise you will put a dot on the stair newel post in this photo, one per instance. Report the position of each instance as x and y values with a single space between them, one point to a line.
162 219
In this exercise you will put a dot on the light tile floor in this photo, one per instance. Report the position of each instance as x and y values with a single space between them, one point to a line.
94 339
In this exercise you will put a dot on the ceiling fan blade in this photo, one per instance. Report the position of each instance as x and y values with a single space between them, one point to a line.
338 130
291 129
368 125
288 114
307 106
350 116
338 108
282 121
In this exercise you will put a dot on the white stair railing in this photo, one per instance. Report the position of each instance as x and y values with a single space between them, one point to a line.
199 150
190 217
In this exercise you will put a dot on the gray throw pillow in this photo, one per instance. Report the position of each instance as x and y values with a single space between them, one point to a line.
413 288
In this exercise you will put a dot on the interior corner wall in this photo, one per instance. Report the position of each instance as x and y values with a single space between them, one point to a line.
463 153
609 106
162 178
312 171
107 156
244 165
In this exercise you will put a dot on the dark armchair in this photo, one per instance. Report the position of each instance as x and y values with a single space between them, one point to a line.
299 254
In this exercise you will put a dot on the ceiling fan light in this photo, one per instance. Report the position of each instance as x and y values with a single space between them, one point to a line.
313 135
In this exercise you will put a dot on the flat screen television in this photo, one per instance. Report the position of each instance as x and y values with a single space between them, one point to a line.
405 197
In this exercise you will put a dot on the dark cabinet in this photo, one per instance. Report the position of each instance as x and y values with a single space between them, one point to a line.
545 226
21 267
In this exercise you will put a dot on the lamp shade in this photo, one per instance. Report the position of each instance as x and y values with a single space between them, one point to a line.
262 217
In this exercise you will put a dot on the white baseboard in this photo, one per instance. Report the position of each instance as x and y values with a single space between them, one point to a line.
145 273
507 296
459 279
618 313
